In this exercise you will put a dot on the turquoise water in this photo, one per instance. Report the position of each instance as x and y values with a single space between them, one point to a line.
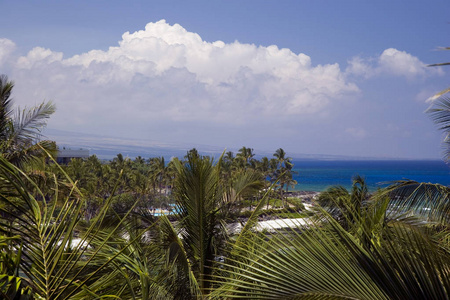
318 175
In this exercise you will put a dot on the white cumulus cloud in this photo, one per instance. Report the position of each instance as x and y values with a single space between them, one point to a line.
165 73
40 56
401 63
390 61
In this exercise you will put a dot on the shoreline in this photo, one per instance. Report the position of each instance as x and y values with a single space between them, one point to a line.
304 195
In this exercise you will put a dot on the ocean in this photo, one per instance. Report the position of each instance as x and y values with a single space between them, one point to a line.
317 175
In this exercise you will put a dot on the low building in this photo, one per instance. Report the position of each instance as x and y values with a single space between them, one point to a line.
66 155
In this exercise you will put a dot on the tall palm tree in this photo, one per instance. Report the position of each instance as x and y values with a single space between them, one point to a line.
284 172
228 166
20 133
158 169
204 205
244 157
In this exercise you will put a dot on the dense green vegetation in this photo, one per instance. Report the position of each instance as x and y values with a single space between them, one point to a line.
150 181
87 230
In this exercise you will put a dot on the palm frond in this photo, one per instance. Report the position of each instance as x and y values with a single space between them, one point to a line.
439 112
428 201
323 261
30 155
28 123
439 64
6 87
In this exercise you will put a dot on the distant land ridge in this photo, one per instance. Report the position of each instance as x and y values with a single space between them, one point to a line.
106 147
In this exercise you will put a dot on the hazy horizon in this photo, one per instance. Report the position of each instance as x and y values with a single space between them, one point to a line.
107 147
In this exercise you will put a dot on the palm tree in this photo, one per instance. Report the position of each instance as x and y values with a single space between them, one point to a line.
120 168
204 206
228 166
244 157
346 207
20 134
283 173
159 168
229 157
199 197
170 175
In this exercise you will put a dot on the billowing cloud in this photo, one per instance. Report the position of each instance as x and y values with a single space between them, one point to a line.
390 61
38 57
166 72
401 63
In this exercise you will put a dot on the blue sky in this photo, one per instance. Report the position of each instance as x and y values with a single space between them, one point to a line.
317 77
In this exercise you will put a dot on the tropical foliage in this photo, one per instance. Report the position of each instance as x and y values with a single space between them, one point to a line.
393 244
193 228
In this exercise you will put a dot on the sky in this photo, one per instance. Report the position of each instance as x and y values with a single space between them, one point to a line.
312 77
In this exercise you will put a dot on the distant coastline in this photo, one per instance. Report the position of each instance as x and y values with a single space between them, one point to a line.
107 147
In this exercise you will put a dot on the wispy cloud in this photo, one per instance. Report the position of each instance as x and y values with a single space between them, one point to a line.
354 132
